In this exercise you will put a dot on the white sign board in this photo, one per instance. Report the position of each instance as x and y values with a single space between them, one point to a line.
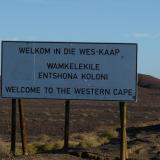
69 70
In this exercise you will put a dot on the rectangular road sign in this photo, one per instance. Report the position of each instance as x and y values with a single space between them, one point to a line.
69 70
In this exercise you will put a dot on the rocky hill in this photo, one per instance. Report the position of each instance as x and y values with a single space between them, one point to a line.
147 81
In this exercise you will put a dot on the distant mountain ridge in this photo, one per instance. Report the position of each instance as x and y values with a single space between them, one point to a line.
147 81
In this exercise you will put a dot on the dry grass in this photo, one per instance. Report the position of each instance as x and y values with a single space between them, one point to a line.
94 139
45 143
78 140
109 133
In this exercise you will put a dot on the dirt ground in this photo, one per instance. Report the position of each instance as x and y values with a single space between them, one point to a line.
46 117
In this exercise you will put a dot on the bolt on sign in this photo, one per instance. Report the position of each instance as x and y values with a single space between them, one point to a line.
69 70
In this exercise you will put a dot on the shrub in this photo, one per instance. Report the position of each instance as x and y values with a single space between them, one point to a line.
58 144
108 134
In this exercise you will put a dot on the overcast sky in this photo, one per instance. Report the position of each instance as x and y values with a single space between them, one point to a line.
136 21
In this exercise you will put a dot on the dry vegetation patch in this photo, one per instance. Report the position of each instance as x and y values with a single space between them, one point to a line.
78 140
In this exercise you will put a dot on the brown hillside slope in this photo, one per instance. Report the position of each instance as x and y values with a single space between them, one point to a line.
147 81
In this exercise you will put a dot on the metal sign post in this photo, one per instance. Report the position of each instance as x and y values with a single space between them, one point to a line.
13 127
123 133
66 129
22 127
